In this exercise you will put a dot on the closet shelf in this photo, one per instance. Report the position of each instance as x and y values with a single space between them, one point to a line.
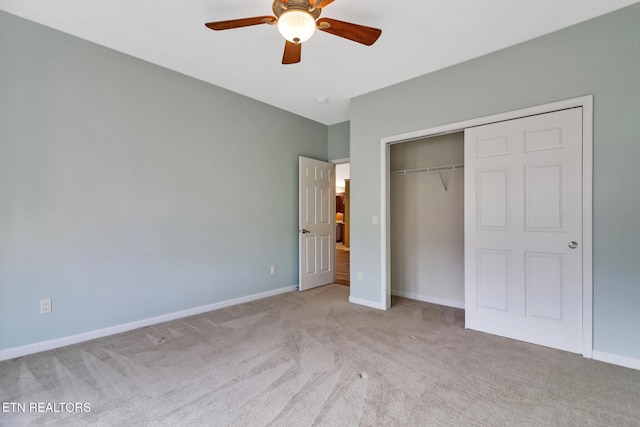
438 169
431 169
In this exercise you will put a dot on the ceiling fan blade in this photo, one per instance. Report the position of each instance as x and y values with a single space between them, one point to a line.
324 3
292 52
319 4
237 23
347 30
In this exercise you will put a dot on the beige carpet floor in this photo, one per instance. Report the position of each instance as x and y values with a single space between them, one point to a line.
311 358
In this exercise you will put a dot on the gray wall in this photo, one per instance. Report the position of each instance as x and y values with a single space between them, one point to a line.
600 57
129 191
338 141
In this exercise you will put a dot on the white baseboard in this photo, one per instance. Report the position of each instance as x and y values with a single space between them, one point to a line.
367 303
614 359
24 350
432 300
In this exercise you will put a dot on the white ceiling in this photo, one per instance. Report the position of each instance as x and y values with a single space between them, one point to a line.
418 37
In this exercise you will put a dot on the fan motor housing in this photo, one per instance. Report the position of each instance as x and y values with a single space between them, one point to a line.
279 6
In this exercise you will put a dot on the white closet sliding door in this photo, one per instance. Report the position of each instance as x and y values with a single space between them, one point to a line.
523 229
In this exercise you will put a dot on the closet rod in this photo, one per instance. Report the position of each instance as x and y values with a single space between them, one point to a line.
431 169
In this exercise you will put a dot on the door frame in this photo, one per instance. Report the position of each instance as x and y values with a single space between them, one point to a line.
586 102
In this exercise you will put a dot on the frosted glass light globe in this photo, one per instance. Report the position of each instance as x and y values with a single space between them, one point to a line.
297 26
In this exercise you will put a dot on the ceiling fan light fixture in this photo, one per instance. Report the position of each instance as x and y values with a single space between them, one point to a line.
296 25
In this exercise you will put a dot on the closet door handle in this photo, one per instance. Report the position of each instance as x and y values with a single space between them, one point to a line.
305 231
573 245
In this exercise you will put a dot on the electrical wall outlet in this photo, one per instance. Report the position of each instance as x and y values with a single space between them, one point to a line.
274 270
45 306
359 276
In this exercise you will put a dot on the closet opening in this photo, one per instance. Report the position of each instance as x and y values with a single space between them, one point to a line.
548 119
426 219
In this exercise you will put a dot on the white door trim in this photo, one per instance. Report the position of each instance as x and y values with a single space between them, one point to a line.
586 102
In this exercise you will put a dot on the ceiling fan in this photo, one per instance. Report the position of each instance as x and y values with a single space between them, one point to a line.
297 20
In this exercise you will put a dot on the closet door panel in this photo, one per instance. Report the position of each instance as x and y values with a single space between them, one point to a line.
523 229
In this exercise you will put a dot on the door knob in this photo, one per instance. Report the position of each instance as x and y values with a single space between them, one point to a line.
573 245
305 231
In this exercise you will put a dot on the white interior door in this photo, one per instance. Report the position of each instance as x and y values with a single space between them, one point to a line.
317 223
523 229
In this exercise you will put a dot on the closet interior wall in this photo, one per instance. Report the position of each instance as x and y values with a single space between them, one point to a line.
427 220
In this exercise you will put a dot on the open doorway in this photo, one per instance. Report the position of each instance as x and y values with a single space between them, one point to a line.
343 173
